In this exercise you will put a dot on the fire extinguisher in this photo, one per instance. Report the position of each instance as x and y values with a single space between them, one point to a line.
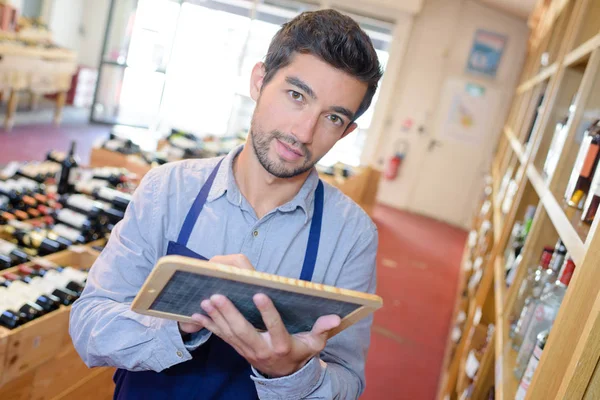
395 161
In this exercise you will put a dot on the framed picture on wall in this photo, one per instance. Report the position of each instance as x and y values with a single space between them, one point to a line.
486 53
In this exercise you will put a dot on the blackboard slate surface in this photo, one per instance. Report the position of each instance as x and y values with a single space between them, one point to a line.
185 291
177 285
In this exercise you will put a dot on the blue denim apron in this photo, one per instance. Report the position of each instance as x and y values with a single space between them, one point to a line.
216 370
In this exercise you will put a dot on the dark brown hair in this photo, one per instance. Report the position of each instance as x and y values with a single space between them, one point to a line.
333 37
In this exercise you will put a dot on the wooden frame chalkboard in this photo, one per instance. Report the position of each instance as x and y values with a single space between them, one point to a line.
178 284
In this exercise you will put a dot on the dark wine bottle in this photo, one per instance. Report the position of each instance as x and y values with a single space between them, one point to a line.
11 250
69 163
46 302
21 303
8 318
67 233
48 284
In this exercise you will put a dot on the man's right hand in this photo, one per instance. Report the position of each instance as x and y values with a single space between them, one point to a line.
234 260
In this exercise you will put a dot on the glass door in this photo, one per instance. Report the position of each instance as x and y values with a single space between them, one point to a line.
137 47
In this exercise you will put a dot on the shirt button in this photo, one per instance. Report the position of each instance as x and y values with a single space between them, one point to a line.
179 354
255 233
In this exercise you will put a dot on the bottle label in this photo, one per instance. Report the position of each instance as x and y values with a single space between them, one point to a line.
6 247
10 169
66 232
20 225
82 202
528 376
567 272
72 217
579 162
113 145
588 164
107 193
183 143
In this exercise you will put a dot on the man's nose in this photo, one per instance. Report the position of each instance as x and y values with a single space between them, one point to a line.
304 128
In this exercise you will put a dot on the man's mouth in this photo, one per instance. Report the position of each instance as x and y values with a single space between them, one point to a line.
292 149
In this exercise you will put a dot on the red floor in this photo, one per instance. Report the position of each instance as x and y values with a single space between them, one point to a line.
417 275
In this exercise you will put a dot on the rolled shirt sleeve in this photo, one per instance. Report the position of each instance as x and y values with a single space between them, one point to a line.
104 330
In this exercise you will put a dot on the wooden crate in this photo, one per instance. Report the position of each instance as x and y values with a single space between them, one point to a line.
105 158
43 348
65 373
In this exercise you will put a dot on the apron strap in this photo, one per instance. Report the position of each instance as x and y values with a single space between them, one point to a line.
312 248
196 208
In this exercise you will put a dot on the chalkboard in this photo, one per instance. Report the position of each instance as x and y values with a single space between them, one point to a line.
177 286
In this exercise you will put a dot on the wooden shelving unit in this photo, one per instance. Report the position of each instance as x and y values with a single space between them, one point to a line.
557 99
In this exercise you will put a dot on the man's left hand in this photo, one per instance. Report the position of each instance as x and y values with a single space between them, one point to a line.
275 352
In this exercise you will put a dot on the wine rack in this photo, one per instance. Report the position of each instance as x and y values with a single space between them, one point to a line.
37 359
553 110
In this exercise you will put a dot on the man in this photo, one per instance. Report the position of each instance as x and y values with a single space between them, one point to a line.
262 206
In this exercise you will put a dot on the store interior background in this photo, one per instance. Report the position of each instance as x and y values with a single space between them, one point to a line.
186 65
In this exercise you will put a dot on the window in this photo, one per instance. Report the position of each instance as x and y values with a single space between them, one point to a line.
188 66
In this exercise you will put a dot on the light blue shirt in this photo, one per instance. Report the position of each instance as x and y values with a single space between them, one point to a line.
106 332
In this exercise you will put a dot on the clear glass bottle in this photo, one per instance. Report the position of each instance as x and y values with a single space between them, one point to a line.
541 284
534 360
525 289
544 313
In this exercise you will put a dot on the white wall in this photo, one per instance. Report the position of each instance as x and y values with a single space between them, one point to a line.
438 48
94 19
65 22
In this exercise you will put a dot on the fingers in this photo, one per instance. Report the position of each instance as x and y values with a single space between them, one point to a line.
280 338
316 339
235 260
190 327
325 323
229 324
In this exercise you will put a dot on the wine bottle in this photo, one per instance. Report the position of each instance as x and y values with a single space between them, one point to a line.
585 165
545 311
534 360
27 309
8 318
27 236
47 302
118 199
64 179
67 233
53 286
78 221
65 280
540 285
55 156
11 250
85 205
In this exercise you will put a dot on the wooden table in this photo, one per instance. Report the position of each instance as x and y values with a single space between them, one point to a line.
36 70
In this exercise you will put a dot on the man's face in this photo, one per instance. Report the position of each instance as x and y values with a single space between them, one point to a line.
301 113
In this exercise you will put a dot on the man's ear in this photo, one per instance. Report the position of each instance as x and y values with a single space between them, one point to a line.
256 80
349 129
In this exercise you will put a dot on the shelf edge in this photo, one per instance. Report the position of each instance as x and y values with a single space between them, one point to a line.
499 286
540 77
583 50
561 223
515 144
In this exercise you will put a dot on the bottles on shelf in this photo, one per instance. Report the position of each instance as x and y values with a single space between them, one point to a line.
544 312
586 162
558 141
34 291
517 242
534 360
65 180
541 282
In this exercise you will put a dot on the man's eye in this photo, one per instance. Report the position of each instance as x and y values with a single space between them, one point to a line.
295 95
335 119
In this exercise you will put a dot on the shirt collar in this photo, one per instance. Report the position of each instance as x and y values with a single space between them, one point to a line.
225 183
